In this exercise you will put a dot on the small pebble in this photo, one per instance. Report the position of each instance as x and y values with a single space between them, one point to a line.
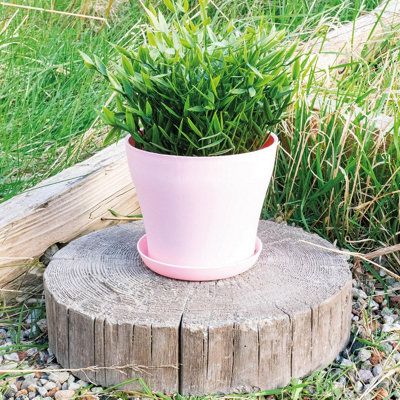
386 312
365 375
378 299
358 293
391 327
31 352
52 392
48 254
11 357
59 376
373 305
363 355
358 386
96 389
32 388
33 316
377 370
381 394
82 383
42 391
74 386
64 395
389 319
344 362
42 324
49 385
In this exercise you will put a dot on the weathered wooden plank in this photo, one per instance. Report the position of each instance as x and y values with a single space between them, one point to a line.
69 204
283 318
346 42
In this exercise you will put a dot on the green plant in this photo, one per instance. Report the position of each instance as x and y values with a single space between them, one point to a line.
188 90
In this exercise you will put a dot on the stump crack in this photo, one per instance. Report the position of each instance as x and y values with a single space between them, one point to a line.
180 337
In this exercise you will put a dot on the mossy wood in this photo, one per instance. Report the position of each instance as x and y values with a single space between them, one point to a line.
287 316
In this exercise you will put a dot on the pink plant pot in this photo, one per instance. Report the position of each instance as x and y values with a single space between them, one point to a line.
201 213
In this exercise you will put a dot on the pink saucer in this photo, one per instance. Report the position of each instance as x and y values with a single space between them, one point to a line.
187 273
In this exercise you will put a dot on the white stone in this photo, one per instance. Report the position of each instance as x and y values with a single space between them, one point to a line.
377 370
11 357
389 319
30 352
59 376
391 327
49 385
74 386
364 355
64 395
346 363
42 391
358 386
358 293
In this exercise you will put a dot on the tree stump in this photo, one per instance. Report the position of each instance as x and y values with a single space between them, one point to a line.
284 318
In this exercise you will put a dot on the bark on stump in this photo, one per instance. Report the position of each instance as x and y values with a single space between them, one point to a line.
284 318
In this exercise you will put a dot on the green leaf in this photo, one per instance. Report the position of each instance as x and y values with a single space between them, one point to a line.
214 84
149 110
127 65
170 110
237 91
130 122
169 5
197 109
194 128
108 115
112 135
87 60
252 91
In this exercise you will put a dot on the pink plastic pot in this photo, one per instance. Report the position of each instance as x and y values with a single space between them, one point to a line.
201 213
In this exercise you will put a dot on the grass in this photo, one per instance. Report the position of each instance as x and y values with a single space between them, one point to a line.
46 93
48 98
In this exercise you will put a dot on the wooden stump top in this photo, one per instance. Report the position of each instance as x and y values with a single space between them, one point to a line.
283 318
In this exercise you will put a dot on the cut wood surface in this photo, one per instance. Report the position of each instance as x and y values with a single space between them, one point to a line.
63 207
72 202
285 317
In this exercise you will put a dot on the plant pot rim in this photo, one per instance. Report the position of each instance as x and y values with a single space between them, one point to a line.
267 148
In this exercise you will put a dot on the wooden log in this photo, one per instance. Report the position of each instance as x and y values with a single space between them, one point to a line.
69 204
341 44
285 317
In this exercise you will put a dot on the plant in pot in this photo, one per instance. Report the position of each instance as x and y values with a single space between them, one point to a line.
199 105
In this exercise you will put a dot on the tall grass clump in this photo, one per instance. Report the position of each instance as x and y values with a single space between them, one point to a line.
338 174
46 94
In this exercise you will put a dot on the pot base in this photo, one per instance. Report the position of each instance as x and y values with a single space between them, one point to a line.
187 273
